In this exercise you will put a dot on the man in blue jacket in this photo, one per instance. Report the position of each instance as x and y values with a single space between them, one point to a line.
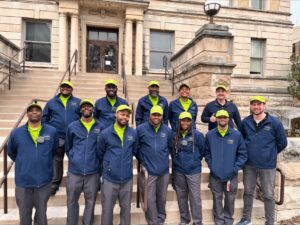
184 103
59 112
148 101
32 147
82 149
225 154
264 137
105 108
209 111
155 144
118 146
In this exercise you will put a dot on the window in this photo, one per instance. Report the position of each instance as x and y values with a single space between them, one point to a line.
257 4
225 2
257 56
161 44
38 41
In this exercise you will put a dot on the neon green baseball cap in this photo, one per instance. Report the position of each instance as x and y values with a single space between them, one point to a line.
221 113
123 107
222 86
258 98
66 82
157 109
34 104
111 81
88 101
185 115
184 85
153 82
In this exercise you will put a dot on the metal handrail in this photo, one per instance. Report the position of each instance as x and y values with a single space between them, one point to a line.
124 80
69 70
12 69
132 114
282 183
3 148
142 190
165 65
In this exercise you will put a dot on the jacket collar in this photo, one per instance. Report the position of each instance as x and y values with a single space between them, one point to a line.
218 104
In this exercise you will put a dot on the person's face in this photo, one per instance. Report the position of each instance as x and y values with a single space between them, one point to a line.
257 107
222 121
111 90
184 92
185 124
122 117
155 118
65 90
153 90
221 94
87 110
34 114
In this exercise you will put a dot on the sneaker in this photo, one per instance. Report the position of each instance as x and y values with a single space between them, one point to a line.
244 222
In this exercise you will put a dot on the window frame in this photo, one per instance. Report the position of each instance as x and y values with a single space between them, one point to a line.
262 5
39 42
263 46
172 34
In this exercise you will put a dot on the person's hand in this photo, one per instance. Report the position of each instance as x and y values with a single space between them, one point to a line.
212 119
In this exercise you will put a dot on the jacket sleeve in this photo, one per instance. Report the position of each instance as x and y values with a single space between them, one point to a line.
205 117
281 139
170 113
201 145
242 155
12 149
55 143
46 114
96 112
101 147
138 114
136 147
69 141
170 141
207 153
166 111
242 130
237 118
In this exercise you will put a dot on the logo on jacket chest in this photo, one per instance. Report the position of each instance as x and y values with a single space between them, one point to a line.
97 131
73 103
230 141
130 138
163 135
267 128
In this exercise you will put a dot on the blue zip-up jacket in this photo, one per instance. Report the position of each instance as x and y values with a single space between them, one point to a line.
56 115
117 158
82 148
175 108
33 162
144 106
263 141
212 107
154 148
189 153
226 155
105 113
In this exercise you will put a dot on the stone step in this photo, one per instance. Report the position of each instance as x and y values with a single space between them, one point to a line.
57 214
60 199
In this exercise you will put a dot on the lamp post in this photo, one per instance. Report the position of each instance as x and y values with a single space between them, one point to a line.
211 9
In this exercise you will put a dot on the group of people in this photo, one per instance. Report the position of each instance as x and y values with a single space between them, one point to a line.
100 146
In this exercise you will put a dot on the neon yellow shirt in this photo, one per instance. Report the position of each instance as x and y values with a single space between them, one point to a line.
64 100
120 132
112 101
34 132
157 128
154 100
88 126
184 133
223 132
185 105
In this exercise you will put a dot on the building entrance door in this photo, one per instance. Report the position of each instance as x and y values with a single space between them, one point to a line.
102 50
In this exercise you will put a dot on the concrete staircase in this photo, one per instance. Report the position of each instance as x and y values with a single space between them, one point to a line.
42 85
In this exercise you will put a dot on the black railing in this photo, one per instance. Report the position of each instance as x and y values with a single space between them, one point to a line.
70 69
12 66
142 187
124 80
165 65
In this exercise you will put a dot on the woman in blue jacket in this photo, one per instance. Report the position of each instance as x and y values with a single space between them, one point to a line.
187 155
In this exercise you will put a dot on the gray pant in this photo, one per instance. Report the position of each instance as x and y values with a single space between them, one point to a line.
157 196
58 164
27 198
188 190
75 185
110 192
223 215
267 182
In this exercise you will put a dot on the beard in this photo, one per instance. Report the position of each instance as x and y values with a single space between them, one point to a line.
111 94
154 93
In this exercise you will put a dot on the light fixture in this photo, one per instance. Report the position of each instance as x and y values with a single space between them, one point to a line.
211 9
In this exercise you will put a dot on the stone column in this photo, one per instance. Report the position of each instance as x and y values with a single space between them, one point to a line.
139 48
74 35
63 47
128 47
